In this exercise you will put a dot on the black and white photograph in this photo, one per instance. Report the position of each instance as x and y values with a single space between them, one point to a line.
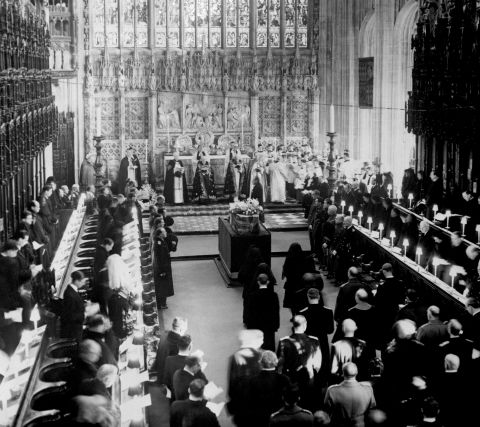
239 213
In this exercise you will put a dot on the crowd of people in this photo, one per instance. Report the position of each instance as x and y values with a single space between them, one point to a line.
25 259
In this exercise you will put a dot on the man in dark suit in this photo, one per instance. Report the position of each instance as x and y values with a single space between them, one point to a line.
73 308
176 362
101 290
263 312
193 411
291 414
192 370
435 189
319 324
458 345
346 294
168 344
266 390
348 402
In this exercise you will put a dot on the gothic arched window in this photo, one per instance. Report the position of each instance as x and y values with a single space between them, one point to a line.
212 24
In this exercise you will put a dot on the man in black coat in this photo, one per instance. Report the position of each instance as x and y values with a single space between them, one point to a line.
101 290
129 169
266 390
192 412
291 414
176 362
168 344
73 308
319 325
390 294
192 370
244 364
263 312
346 294
435 189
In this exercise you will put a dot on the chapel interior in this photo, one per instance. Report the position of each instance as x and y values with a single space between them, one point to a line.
239 213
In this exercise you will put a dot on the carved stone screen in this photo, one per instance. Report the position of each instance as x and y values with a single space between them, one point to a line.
270 116
136 114
365 83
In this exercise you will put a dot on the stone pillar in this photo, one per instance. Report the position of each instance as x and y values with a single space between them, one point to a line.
255 117
313 114
283 117
121 101
152 134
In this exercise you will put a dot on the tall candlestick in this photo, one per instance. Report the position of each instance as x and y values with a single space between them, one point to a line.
342 204
350 210
99 120
360 216
448 213
389 188
332 119
464 223
419 255
146 151
380 230
453 274
392 236
435 263
435 210
410 198
405 246
369 222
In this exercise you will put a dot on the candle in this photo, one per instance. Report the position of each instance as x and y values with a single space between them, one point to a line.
389 188
350 209
464 223
435 210
477 229
453 274
405 246
360 216
380 229
332 119
410 198
448 213
99 120
342 204
392 236
435 263
369 222
419 254
35 316
146 151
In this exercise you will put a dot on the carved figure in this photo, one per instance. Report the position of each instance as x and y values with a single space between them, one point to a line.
162 116
188 116
174 119
153 80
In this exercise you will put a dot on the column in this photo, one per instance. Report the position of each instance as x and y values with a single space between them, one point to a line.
151 20
121 100
313 114
283 116
152 132
254 117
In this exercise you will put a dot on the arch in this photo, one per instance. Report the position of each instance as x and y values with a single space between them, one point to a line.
66 28
366 40
403 142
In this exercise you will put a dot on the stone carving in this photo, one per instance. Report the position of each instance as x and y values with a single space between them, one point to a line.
183 143
203 139
237 116
167 118
203 114
86 27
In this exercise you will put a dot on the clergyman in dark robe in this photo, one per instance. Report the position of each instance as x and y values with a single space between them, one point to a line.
129 171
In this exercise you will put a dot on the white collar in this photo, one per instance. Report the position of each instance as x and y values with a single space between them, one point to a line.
74 287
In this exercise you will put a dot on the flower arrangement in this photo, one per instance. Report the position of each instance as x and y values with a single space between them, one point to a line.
147 192
246 207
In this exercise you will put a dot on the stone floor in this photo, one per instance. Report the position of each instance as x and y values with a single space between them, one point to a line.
214 311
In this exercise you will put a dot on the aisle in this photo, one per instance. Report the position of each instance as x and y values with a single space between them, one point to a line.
214 314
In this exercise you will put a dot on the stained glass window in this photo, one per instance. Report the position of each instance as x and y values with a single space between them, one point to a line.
99 24
231 13
289 37
112 22
173 23
302 23
262 23
189 23
244 23
128 23
141 17
215 23
160 23
274 23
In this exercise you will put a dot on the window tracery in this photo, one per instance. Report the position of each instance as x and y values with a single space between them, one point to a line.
211 24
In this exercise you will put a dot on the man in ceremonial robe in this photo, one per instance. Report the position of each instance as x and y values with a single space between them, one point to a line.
129 171
175 191
87 171
203 181
236 179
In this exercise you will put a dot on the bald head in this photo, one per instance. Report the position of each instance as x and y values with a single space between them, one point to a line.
361 296
350 370
352 272
349 327
299 324
433 312
452 363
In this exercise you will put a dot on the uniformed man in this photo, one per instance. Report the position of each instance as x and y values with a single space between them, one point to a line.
291 414
300 359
